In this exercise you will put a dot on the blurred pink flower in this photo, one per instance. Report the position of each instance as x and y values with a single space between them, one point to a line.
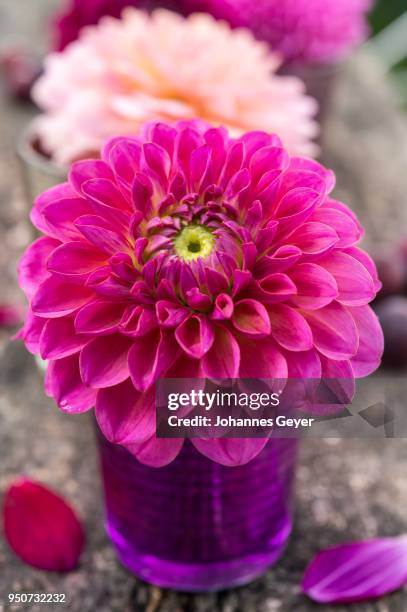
165 67
186 253
309 31
41 528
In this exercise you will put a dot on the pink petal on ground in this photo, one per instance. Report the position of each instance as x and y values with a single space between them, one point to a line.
124 414
371 341
156 452
56 297
10 315
195 336
334 331
99 317
41 528
103 361
316 287
251 317
261 359
63 382
289 328
355 284
223 359
357 571
59 339
76 260
229 451
150 357
32 267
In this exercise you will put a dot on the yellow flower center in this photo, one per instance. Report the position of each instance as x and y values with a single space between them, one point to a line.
193 242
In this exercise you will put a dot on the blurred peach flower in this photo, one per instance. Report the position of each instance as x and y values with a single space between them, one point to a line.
124 72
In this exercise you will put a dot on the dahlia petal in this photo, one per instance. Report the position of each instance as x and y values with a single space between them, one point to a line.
295 208
31 332
106 285
158 163
261 359
150 357
41 528
199 167
58 192
251 318
289 328
233 163
187 141
164 136
105 192
138 321
103 361
198 300
304 163
280 261
124 414
156 452
102 234
334 331
59 339
217 282
303 365
229 451
355 285
371 343
75 260
275 288
314 238
237 184
266 159
59 218
56 297
316 287
170 314
357 571
348 231
123 155
83 171
366 261
32 267
99 317
64 384
223 359
223 307
195 335
255 140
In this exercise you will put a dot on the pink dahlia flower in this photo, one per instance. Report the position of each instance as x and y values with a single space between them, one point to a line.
186 253
164 67
317 31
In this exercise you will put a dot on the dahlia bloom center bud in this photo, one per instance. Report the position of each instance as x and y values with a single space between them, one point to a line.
193 242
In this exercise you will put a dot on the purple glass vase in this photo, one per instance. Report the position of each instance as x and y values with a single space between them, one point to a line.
196 525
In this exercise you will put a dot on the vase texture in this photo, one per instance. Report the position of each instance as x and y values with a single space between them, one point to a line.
196 525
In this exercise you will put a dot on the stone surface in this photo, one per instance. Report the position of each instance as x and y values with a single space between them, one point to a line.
346 489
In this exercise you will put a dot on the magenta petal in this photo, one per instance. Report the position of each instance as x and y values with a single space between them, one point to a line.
41 528
348 230
60 217
156 452
371 342
357 571
31 332
314 238
124 414
316 287
195 336
229 451
355 285
334 330
261 359
63 382
138 321
83 171
99 318
150 357
32 267
251 317
56 297
103 361
223 359
223 308
289 328
76 260
59 339
170 314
